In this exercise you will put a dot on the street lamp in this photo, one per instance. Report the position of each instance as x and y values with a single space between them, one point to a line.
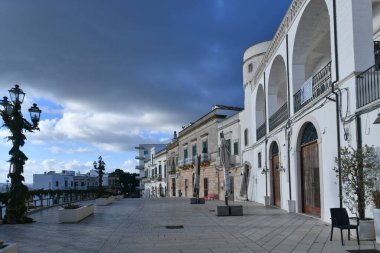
100 167
17 125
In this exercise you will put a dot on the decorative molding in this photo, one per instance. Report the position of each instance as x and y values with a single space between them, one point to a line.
283 29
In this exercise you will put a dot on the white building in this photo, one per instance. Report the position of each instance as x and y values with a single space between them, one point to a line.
155 174
312 89
144 155
54 181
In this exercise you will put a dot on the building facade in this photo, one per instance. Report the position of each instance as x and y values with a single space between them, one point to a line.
156 174
311 90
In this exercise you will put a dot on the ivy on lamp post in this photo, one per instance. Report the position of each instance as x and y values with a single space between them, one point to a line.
100 167
17 125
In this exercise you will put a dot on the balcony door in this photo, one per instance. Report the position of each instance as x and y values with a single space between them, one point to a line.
276 191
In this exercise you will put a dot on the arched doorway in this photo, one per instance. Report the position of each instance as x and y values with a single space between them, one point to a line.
276 191
245 182
310 182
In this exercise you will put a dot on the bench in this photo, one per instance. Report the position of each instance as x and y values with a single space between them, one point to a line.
210 197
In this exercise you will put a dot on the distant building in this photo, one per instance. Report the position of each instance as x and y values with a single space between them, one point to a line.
143 156
155 174
67 180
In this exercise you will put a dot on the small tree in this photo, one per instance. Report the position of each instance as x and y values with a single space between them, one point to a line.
100 168
359 169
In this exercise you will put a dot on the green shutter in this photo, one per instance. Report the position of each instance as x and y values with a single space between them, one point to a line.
236 148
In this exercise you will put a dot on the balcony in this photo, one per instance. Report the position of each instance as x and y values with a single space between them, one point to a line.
188 161
140 157
278 117
139 167
204 157
321 84
261 131
181 162
367 87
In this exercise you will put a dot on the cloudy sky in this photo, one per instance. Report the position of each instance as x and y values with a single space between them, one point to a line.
109 75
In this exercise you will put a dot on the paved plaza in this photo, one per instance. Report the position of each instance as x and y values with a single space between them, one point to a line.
139 225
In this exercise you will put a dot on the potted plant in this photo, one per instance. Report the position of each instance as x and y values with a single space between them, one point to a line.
359 169
72 213
376 214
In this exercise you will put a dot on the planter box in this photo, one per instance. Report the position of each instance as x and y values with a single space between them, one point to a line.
74 215
292 206
229 210
367 230
376 218
10 248
197 201
104 201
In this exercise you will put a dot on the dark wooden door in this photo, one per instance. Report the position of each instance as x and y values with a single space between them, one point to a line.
205 181
173 187
276 181
311 199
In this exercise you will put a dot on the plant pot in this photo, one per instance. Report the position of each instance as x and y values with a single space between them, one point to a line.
376 219
367 230
292 206
104 201
9 248
74 215
267 200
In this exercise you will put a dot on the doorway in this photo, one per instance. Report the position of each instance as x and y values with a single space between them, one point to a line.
205 183
310 181
173 187
276 191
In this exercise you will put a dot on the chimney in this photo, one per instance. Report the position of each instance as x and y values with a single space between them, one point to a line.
175 135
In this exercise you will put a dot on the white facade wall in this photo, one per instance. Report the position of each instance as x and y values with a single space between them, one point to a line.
308 52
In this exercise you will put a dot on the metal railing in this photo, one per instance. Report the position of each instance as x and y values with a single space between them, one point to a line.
39 202
321 83
261 131
278 117
367 87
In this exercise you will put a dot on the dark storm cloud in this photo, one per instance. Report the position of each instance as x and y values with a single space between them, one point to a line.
134 56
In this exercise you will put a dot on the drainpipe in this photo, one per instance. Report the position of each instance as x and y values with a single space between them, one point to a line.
337 106
288 124
266 139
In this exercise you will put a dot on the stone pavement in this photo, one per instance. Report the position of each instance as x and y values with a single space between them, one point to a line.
138 225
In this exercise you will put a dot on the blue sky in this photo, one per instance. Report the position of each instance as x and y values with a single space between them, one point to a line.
109 75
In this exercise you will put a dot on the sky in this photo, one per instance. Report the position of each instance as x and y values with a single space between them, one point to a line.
109 75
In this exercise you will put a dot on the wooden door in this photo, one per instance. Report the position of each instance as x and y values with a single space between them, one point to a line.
205 181
276 181
186 186
231 195
173 187
311 199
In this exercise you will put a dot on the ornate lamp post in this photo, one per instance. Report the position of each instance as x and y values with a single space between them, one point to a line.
17 125
100 167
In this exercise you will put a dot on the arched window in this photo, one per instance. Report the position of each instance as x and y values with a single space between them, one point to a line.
309 134
246 137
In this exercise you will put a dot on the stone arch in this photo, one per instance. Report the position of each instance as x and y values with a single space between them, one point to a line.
312 43
277 85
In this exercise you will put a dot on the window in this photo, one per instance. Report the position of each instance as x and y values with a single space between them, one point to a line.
152 159
66 183
194 150
185 153
259 159
236 148
246 137
159 170
165 170
81 183
250 67
56 183
145 152
204 147
71 183
228 143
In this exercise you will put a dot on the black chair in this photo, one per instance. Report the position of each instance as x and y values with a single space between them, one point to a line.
340 219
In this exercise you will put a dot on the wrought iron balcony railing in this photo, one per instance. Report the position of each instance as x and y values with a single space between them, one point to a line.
204 157
367 87
278 117
321 83
261 131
